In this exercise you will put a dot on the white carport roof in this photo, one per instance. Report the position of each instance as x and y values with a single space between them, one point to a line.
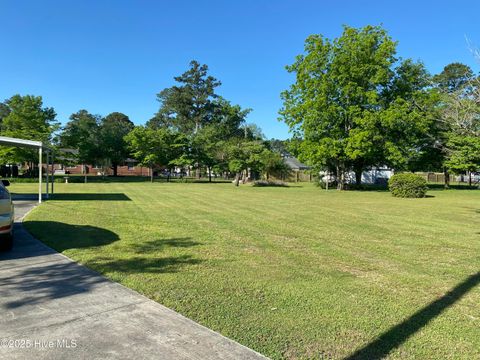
20 142
15 142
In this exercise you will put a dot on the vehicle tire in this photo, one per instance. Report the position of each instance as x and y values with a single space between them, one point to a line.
7 242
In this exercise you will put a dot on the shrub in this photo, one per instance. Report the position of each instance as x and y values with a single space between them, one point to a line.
270 183
407 186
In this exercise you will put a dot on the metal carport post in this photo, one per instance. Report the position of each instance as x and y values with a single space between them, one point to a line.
50 176
9 141
40 175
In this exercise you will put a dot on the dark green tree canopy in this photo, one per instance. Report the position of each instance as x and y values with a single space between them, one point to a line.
187 106
454 77
4 111
228 119
25 117
81 133
113 129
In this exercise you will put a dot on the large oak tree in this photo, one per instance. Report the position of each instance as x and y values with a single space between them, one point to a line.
354 104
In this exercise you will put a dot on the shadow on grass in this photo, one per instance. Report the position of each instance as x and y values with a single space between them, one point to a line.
75 196
61 236
452 187
91 196
160 244
384 188
139 265
367 187
156 264
397 335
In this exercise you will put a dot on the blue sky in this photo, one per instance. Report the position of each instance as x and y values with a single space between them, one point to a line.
116 55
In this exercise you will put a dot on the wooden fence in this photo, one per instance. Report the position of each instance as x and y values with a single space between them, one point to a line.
438 177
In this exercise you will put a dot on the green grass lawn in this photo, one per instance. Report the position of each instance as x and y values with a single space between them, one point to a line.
291 272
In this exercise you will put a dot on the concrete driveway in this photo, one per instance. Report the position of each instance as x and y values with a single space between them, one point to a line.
54 308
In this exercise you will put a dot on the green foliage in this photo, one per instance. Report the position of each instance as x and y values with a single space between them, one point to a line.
25 117
236 165
244 154
4 111
208 145
208 121
81 134
188 106
148 146
156 147
278 146
464 154
407 185
113 129
194 127
455 76
352 107
228 119
272 164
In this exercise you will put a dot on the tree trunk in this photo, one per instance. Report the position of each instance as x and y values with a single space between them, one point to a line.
151 174
358 176
341 183
244 177
340 177
469 178
447 178
237 179
198 172
115 169
209 173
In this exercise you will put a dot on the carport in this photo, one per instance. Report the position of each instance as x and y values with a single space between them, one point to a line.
14 142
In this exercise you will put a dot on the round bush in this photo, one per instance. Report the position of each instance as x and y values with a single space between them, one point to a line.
407 186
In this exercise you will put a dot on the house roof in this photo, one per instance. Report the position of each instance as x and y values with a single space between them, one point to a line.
295 164
69 151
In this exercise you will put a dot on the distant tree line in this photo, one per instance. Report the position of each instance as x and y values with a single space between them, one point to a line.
194 129
354 105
